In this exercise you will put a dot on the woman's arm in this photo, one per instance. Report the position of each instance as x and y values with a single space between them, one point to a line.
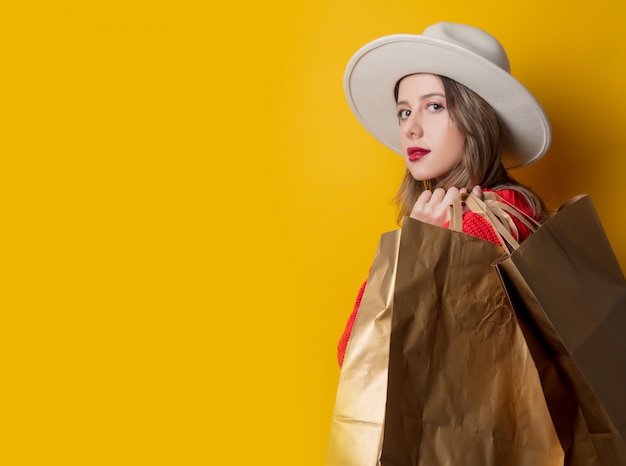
343 341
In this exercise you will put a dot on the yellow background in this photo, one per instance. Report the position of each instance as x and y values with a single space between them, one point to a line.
189 208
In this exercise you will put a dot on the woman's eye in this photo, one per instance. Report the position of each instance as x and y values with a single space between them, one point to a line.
404 114
434 107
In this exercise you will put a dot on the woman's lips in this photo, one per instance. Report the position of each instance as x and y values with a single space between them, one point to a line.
416 153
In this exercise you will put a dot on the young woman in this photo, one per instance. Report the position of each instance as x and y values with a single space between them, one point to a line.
447 103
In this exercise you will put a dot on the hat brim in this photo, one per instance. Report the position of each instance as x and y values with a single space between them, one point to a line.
373 72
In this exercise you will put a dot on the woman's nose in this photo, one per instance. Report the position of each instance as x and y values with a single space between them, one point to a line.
412 126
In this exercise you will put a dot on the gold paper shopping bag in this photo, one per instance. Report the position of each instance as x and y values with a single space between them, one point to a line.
357 424
462 386
569 294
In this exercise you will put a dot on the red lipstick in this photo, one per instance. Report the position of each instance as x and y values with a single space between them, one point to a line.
416 153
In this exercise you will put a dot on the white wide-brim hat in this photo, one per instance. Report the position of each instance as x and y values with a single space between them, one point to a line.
463 53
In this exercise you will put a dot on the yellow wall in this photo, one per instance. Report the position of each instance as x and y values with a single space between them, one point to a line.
189 208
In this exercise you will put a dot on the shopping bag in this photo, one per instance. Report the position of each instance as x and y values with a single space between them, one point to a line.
357 422
569 295
462 385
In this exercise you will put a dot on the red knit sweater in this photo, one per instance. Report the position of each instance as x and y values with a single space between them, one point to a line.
473 224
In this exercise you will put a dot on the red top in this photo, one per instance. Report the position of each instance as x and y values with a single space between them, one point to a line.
473 224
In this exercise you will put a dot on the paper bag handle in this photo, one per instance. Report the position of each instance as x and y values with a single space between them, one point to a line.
497 212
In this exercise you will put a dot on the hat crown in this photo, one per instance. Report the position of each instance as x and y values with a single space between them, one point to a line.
471 39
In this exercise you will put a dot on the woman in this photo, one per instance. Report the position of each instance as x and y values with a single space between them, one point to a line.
446 102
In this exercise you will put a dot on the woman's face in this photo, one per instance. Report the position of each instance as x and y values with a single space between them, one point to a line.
431 145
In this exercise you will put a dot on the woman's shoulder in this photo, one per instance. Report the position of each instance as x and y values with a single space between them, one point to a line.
517 199
513 196
508 194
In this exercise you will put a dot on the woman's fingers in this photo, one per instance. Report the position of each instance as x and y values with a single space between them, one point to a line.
436 198
434 208
450 196
424 198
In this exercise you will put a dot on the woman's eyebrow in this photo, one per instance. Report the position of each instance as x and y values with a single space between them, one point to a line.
432 94
423 97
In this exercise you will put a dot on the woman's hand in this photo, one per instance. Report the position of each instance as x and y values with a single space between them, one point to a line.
434 207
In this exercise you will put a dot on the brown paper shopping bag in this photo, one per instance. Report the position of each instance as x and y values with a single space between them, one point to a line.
569 294
357 423
462 385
